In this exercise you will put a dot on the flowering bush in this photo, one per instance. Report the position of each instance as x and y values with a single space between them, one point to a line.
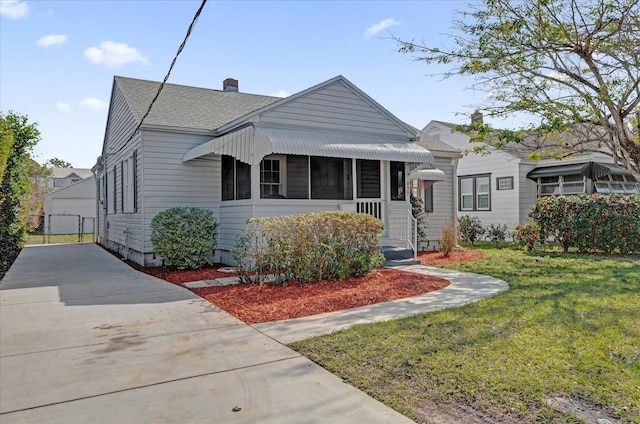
607 223
600 222
527 234
497 233
554 215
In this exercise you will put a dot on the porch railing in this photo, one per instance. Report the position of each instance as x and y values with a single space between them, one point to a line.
371 207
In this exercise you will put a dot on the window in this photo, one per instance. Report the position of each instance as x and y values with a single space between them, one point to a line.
331 178
504 183
129 184
617 184
428 198
397 180
475 193
111 190
271 178
368 174
236 179
561 185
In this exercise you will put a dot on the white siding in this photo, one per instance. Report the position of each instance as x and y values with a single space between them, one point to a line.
65 208
335 107
506 205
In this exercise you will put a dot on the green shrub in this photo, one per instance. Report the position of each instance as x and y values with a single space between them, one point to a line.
497 233
470 229
527 234
447 240
309 247
184 237
417 211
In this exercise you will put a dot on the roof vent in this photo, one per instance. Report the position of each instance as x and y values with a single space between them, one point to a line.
230 84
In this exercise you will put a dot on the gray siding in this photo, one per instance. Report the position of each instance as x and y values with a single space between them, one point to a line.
443 204
168 182
336 108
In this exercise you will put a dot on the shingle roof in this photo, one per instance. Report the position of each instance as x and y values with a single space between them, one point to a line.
67 172
188 107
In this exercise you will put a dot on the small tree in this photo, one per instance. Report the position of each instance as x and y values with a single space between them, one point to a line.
14 188
184 237
497 233
447 240
470 229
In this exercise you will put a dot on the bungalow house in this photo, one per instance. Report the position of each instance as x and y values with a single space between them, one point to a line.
71 209
329 147
500 186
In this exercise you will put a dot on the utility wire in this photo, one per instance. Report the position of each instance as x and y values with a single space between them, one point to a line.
173 62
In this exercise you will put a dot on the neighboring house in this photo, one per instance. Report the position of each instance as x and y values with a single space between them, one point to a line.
500 186
62 177
71 209
329 147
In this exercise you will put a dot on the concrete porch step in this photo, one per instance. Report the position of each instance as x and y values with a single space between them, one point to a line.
394 252
400 262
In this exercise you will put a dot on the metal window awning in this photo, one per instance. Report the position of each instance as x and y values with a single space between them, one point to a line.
427 175
593 170
554 171
602 169
251 144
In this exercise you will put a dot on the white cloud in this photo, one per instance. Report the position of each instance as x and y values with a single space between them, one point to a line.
114 54
63 107
280 93
92 104
14 9
51 40
380 26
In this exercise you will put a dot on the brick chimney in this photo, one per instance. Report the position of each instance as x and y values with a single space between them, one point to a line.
230 84
476 117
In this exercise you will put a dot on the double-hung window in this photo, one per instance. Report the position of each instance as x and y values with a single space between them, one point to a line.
272 178
129 184
474 193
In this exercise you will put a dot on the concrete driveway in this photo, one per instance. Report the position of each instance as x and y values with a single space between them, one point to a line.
86 339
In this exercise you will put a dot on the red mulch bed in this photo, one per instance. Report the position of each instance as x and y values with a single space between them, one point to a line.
437 258
253 304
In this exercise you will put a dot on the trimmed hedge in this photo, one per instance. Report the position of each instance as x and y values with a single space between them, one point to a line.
184 237
595 223
309 247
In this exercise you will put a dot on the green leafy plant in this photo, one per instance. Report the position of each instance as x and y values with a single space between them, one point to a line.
497 233
470 229
447 240
417 211
184 237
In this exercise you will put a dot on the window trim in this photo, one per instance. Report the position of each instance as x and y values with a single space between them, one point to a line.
282 174
402 185
234 179
474 193
560 185
129 183
502 179
428 199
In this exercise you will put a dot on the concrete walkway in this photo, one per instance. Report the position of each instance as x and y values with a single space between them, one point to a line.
465 287
85 338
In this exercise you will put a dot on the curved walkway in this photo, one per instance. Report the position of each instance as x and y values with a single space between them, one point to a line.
86 338
464 287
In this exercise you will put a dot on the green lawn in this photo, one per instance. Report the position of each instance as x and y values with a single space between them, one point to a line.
569 326
56 238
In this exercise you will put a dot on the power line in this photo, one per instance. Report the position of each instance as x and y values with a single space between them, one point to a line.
173 62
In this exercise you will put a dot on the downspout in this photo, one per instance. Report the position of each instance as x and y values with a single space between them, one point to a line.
97 220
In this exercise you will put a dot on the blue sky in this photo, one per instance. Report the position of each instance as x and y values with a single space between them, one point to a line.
58 58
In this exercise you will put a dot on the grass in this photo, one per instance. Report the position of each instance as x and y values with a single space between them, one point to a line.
569 326
56 238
